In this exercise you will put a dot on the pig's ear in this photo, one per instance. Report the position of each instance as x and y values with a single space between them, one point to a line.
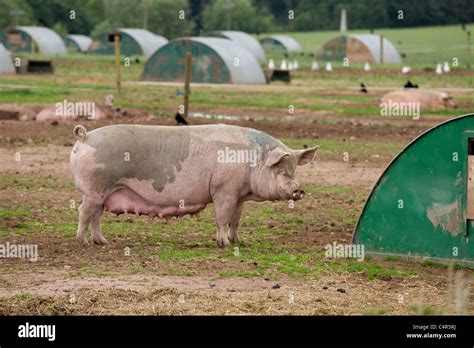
275 156
305 156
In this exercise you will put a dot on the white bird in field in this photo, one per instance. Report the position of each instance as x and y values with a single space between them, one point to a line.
295 64
328 67
446 68
366 66
439 70
290 66
283 65
271 64
314 65
406 70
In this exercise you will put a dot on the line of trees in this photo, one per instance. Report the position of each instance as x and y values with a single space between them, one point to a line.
255 16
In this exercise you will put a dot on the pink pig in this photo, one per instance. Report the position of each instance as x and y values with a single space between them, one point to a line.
173 171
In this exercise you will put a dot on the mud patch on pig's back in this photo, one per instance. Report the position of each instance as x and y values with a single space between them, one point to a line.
137 153
261 139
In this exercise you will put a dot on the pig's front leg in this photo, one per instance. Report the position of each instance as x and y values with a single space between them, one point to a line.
224 207
234 223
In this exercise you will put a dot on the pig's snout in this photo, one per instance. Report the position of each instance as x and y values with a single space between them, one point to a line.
297 194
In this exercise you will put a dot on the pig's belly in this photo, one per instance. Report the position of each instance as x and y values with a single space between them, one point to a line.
127 201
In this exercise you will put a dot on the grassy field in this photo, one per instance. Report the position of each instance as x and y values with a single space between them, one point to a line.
78 76
89 77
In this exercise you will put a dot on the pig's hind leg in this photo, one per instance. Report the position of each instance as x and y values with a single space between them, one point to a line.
97 236
234 223
87 211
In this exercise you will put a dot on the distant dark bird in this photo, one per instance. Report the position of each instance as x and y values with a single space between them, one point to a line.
137 60
363 89
180 120
410 85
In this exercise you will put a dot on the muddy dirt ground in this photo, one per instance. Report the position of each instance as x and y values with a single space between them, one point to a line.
36 197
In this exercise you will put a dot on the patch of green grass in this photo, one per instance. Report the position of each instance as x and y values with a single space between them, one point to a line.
375 311
26 95
425 310
32 185
336 190
19 211
434 264
23 295
291 264
442 265
76 274
180 255
241 274
172 271
22 224
371 269
91 271
64 229
355 149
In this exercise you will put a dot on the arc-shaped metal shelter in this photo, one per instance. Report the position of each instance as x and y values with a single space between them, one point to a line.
78 42
244 39
133 42
281 42
6 64
361 48
423 204
45 40
214 60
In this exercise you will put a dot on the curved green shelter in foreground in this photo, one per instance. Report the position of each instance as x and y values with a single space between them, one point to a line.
423 204
214 60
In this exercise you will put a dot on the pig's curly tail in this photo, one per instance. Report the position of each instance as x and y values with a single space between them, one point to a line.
80 132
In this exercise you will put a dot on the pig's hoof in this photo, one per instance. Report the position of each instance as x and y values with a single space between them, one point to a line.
100 240
82 240
234 239
222 242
